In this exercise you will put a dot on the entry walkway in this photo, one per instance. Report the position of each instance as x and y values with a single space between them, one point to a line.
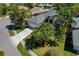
19 37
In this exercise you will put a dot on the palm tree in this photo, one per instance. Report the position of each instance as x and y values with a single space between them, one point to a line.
65 14
42 35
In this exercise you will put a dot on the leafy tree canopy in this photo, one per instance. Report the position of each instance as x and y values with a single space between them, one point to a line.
3 9
43 34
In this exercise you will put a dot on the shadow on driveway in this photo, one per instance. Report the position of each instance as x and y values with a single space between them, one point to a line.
11 27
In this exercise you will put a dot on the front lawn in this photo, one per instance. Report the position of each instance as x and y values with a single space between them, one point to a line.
11 33
61 49
22 50
53 50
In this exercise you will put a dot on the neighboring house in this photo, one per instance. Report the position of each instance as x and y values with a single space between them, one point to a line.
38 10
5 21
75 34
22 7
45 4
37 20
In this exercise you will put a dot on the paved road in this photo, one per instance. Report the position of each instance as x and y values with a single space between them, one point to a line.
4 22
5 43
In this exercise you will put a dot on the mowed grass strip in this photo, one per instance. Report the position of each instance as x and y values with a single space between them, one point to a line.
22 50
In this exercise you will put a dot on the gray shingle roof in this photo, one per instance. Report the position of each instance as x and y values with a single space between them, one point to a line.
75 37
41 18
38 19
75 32
76 19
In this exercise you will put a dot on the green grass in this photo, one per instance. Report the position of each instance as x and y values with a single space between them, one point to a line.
53 51
18 30
28 37
61 49
1 53
41 50
11 33
57 50
22 50
3 16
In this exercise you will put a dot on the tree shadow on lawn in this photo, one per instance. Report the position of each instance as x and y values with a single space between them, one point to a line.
69 43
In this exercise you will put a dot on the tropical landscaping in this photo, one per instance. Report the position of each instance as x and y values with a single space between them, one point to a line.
47 39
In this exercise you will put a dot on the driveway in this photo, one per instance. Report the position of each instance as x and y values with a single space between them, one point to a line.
5 43
20 36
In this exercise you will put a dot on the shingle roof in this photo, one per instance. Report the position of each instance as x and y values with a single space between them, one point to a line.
75 37
37 10
75 32
76 19
37 19
41 18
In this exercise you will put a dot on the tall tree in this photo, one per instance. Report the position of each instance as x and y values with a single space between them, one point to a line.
17 17
3 9
42 35
65 14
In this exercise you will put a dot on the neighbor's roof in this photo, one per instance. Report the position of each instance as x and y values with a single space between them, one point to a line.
52 13
75 37
76 32
45 4
41 18
76 19
23 7
37 10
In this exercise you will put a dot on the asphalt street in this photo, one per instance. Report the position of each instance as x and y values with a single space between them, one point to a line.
5 43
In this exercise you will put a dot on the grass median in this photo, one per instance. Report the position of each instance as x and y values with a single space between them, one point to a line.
22 50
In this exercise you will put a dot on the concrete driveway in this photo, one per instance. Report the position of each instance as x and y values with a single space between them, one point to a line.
20 36
5 43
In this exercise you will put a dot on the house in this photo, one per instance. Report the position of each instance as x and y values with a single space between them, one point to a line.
75 34
38 10
45 5
22 7
37 20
